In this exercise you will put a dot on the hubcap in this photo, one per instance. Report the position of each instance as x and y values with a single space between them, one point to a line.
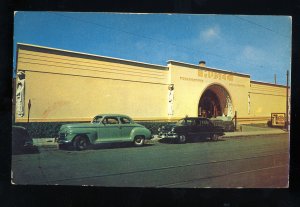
138 140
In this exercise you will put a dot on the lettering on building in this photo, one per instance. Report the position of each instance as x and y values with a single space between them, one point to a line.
190 79
215 75
237 85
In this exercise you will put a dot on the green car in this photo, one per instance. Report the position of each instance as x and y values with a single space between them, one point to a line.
104 128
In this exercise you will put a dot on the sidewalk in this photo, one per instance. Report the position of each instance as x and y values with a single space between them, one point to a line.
246 131
253 133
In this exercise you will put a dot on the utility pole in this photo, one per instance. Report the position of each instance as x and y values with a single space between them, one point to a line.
275 79
287 99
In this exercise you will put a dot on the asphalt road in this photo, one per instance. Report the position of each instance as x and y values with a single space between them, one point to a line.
249 162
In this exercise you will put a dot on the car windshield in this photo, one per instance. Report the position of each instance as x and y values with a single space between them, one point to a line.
187 122
180 122
97 119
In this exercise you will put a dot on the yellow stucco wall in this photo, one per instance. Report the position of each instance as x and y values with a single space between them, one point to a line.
267 99
70 86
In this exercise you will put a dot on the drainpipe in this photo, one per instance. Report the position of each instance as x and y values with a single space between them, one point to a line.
235 120
29 106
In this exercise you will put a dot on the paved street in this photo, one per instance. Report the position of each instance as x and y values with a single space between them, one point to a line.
251 162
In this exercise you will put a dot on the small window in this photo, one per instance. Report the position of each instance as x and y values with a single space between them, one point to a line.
125 120
97 119
204 122
110 120
190 122
181 122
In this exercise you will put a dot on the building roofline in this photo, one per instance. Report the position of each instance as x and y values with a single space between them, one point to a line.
207 68
270 84
106 58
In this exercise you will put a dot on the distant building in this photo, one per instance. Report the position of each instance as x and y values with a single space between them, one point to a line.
70 86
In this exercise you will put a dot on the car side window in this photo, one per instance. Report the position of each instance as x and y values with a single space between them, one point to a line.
125 120
110 120
189 122
97 119
205 123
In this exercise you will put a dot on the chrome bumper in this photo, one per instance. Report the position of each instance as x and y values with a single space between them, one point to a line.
168 136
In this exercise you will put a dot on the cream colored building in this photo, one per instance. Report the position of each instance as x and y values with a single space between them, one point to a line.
70 86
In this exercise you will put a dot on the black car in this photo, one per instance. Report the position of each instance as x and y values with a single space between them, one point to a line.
21 141
190 127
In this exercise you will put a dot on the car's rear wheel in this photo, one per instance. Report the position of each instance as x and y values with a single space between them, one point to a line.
181 139
139 141
80 142
214 137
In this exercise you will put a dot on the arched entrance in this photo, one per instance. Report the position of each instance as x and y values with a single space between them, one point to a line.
215 101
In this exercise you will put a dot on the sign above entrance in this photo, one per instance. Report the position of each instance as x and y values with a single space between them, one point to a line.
215 75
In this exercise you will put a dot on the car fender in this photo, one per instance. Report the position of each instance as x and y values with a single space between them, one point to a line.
91 134
140 131
181 130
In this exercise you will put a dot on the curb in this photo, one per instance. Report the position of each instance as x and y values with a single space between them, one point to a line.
258 133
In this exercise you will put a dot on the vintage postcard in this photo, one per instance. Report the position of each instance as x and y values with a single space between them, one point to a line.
151 100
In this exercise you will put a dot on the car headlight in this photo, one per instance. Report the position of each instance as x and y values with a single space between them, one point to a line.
67 132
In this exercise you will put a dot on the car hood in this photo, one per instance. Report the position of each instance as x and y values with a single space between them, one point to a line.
78 125
168 127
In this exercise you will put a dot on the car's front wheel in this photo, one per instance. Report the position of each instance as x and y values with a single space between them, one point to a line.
80 142
139 141
214 137
181 139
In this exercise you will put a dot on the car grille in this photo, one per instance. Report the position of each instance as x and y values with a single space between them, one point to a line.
62 136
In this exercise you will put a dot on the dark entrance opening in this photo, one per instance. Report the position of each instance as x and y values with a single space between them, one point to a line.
209 105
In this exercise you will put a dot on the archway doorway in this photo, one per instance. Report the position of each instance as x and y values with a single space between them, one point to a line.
215 101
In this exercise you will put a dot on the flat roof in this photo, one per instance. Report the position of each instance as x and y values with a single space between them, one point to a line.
270 84
208 68
109 59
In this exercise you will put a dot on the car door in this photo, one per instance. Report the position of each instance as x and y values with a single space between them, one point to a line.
205 128
194 127
109 131
126 126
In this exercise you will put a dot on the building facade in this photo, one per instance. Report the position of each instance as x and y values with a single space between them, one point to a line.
65 86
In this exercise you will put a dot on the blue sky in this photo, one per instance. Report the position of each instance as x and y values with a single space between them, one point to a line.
256 45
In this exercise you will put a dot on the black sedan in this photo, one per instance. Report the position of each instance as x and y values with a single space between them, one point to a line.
190 127
21 141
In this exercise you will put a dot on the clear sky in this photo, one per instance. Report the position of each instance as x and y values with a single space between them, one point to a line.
256 45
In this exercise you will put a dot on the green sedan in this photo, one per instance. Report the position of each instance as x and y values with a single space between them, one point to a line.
104 128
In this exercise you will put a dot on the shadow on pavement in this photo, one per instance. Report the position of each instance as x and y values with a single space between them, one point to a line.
29 150
191 140
109 146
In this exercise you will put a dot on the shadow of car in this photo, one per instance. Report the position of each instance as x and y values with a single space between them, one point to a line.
21 141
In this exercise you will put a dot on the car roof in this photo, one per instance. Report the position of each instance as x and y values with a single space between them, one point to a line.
195 118
119 115
18 127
